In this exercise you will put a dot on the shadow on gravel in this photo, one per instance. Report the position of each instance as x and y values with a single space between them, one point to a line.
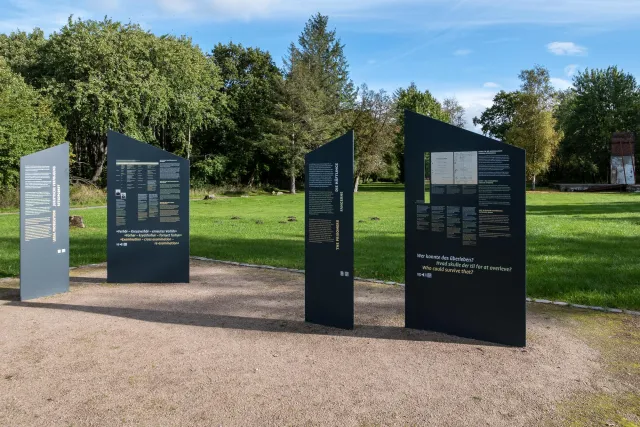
257 324
9 294
79 279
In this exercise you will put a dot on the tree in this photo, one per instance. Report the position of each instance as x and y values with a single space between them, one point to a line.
534 129
537 82
455 111
372 122
22 52
251 84
316 91
420 102
27 124
106 75
100 76
495 121
602 102
323 57
299 121
192 84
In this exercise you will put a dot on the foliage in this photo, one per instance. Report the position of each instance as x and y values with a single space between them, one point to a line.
100 76
209 171
22 52
316 91
251 86
532 125
244 122
105 75
87 195
372 121
533 129
495 121
190 83
537 82
602 102
27 124
420 102
455 111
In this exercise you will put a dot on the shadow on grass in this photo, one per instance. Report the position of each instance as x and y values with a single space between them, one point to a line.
381 187
256 324
83 250
586 269
586 209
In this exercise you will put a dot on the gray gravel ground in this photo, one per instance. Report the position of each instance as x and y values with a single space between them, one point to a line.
232 348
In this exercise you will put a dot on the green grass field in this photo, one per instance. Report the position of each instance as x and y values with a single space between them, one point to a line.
582 248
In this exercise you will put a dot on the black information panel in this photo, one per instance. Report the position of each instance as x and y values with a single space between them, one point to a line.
465 233
147 213
44 222
328 207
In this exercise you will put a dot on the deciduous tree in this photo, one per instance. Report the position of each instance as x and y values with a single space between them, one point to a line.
372 120
27 124
534 129
455 111
413 99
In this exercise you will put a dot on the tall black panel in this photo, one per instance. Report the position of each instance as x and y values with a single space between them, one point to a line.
465 233
147 213
44 222
328 206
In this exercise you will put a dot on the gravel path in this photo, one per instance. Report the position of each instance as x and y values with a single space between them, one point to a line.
232 348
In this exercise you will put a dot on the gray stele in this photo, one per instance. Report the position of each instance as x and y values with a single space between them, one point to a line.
44 263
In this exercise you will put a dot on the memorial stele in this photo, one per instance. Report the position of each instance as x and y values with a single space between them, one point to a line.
329 233
44 222
465 269
147 213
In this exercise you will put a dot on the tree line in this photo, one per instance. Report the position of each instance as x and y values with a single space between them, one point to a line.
567 134
241 119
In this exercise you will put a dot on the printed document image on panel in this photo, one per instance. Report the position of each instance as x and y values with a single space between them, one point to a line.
441 168
465 167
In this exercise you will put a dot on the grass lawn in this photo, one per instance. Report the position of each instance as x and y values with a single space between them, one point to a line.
582 248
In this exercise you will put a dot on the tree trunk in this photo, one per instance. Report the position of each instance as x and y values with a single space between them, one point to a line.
102 156
533 183
292 182
357 183
189 144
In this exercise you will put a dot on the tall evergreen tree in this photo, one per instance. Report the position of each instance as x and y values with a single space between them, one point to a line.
316 91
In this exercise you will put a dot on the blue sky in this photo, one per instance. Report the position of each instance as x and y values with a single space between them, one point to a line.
469 49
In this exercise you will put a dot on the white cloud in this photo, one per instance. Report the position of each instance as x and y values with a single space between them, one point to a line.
462 52
566 48
560 84
473 101
571 70
491 85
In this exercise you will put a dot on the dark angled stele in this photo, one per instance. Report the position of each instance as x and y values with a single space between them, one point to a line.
147 213
464 233
328 260
44 222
